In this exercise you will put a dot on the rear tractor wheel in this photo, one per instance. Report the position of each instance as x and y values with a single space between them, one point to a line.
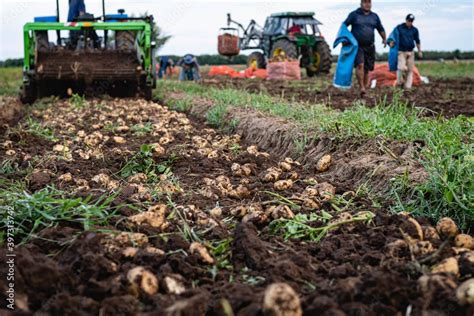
321 60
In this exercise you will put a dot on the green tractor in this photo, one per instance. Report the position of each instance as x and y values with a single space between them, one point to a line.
112 54
288 35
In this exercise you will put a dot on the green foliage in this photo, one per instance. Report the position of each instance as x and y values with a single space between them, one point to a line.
10 81
446 155
313 227
50 207
78 101
143 162
142 129
34 127
216 116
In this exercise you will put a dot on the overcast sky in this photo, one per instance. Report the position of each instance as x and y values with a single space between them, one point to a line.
194 25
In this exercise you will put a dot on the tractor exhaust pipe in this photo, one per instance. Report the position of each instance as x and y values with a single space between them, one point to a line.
58 32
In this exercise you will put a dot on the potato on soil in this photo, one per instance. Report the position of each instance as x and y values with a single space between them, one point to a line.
285 166
446 227
324 163
429 283
119 140
140 278
272 174
155 217
412 228
326 191
280 211
281 300
464 241
174 284
449 265
202 252
430 233
283 185
465 292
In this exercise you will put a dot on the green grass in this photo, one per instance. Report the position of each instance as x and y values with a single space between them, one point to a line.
143 162
447 155
35 127
10 81
447 69
48 208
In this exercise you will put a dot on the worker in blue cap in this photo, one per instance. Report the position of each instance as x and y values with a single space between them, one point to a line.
407 36
190 69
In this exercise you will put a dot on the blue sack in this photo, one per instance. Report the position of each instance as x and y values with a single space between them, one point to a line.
393 53
345 62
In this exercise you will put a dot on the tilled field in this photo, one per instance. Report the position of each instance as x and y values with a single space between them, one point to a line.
448 97
199 222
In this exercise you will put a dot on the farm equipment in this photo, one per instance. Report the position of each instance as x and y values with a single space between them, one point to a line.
288 35
119 63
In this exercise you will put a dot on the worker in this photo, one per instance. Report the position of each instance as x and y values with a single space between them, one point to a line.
76 9
166 67
294 29
363 22
190 69
408 36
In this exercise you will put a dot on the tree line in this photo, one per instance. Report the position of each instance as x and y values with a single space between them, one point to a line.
242 59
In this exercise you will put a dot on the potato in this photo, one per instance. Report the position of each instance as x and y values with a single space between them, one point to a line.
449 265
326 191
60 148
154 251
67 177
272 174
119 140
464 241
465 292
174 284
421 248
140 278
412 228
155 217
428 283
430 233
324 163
130 252
202 252
252 150
280 211
283 185
216 212
281 300
284 166
446 227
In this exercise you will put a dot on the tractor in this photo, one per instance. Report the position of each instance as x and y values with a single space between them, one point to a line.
287 35
112 54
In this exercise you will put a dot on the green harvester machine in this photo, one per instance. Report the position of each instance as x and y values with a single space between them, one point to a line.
112 54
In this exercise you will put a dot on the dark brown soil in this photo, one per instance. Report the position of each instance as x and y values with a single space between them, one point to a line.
448 97
354 270
10 112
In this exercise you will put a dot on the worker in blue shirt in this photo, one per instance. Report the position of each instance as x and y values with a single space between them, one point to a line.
76 9
408 37
364 22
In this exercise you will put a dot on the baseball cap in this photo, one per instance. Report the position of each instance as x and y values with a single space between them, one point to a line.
188 59
410 17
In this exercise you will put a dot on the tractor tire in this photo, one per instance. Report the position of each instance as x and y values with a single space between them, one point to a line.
284 49
323 58
125 41
28 93
256 60
41 41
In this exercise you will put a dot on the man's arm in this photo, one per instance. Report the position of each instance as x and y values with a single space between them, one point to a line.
350 19
381 31
418 44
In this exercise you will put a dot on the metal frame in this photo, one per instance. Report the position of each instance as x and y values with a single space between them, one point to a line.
143 36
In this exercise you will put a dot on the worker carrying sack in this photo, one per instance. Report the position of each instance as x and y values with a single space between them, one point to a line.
284 70
228 42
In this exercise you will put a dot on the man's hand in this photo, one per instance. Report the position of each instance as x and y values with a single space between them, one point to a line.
391 44
420 54
384 42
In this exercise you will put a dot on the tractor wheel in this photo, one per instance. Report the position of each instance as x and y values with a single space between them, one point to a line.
256 60
284 49
321 60
125 41
28 93
41 41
